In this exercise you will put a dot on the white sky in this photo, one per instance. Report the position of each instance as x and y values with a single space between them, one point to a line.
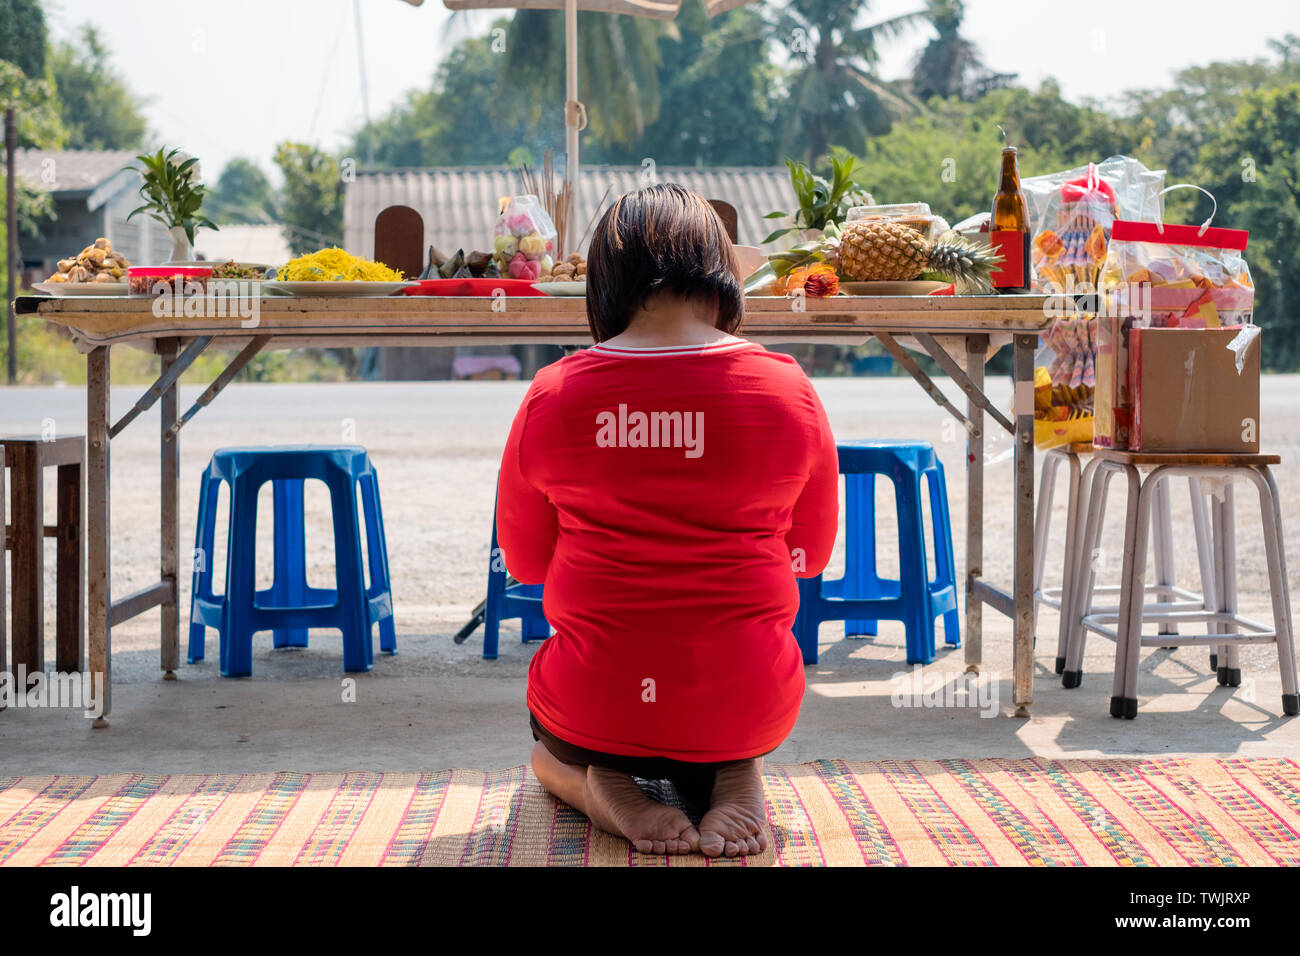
235 78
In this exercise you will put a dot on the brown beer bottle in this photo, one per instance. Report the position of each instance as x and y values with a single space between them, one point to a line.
1009 229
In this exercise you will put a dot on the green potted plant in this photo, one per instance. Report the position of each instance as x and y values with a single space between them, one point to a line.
172 197
821 202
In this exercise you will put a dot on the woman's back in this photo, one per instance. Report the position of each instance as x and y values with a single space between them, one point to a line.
668 497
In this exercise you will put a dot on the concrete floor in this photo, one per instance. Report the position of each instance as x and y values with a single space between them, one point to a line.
437 705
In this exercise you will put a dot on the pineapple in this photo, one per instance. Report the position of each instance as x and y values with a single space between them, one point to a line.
877 249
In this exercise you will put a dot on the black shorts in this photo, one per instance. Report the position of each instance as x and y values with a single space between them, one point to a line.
693 781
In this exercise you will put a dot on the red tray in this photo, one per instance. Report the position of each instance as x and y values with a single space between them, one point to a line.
486 287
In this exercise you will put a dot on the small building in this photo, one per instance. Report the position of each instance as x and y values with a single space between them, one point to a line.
261 243
459 207
93 191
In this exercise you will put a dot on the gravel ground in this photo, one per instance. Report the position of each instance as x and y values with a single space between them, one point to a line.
436 447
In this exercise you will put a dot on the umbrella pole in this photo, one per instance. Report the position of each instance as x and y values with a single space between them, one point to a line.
574 114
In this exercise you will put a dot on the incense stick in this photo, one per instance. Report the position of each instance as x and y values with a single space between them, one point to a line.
556 202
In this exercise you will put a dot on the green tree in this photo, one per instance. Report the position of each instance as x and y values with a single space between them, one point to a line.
473 114
723 68
96 106
24 78
242 194
950 64
836 96
22 36
1175 123
949 156
311 202
1252 166
36 108
478 111
618 69
1043 120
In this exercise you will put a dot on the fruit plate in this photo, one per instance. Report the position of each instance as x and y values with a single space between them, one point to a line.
476 287
345 288
80 288
562 288
914 287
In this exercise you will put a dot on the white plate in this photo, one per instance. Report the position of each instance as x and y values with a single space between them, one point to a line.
900 287
562 288
81 288
369 289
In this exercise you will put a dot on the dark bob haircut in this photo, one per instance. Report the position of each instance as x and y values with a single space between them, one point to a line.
661 238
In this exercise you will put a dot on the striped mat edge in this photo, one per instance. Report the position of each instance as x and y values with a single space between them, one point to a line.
1034 812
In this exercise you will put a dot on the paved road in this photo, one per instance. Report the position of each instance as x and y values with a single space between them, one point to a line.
436 446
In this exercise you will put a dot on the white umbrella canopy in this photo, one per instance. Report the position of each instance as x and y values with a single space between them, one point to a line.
575 114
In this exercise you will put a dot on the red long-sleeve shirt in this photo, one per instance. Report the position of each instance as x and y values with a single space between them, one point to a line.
667 498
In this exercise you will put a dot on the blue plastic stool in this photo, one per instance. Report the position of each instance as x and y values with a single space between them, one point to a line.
861 597
289 607
504 602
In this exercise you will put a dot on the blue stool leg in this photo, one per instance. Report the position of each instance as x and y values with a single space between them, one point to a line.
204 540
945 566
533 624
808 619
237 609
860 580
496 592
358 648
289 585
380 581
914 575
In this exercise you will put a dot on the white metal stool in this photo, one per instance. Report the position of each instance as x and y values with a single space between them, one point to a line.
1225 628
1059 597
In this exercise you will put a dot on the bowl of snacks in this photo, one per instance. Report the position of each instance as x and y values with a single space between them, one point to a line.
565 278
96 270
145 281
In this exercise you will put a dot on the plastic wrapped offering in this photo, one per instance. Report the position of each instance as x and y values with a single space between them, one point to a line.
523 240
1071 214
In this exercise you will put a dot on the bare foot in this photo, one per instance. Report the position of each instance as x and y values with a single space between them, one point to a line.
617 804
737 814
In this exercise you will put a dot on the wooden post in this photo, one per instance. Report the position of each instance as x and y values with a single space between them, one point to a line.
976 348
169 495
27 546
99 557
11 219
70 621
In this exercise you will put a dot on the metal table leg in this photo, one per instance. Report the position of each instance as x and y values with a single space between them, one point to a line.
976 348
169 496
1023 560
99 564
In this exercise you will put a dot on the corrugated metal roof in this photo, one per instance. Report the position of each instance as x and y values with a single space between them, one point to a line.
70 170
459 204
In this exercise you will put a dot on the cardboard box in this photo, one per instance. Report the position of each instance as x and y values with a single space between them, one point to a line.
1187 394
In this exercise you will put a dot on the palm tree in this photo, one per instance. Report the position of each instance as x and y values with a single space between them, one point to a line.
950 65
836 95
618 67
